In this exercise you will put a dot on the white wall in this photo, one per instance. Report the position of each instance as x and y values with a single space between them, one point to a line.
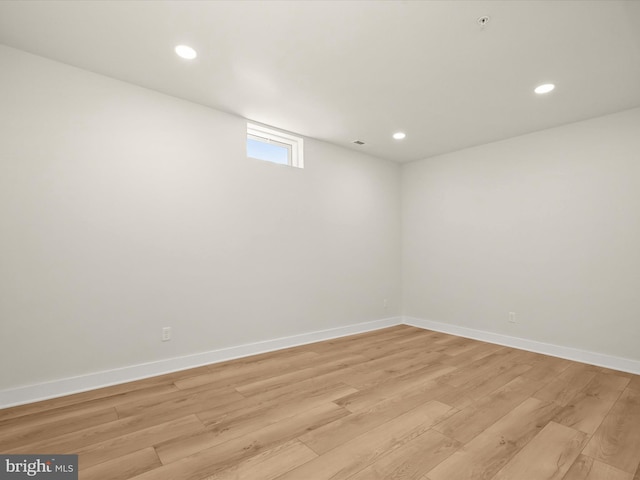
546 225
123 210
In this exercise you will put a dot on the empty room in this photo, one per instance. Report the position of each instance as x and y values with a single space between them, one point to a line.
314 240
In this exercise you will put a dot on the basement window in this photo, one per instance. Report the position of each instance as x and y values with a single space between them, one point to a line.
274 146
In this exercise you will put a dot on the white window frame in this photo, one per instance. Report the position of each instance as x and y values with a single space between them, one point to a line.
293 143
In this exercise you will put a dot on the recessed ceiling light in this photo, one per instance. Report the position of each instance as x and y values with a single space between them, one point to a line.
399 135
187 52
545 88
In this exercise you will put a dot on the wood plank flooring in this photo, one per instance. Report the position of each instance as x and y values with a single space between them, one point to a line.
398 403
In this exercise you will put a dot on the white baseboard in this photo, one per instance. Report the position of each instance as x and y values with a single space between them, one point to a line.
68 386
583 356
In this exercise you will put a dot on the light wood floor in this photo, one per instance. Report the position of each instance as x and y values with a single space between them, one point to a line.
398 403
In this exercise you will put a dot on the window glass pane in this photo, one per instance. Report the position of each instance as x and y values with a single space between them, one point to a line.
267 151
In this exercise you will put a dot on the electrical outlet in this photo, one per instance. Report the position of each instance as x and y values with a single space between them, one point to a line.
166 334
385 303
512 317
